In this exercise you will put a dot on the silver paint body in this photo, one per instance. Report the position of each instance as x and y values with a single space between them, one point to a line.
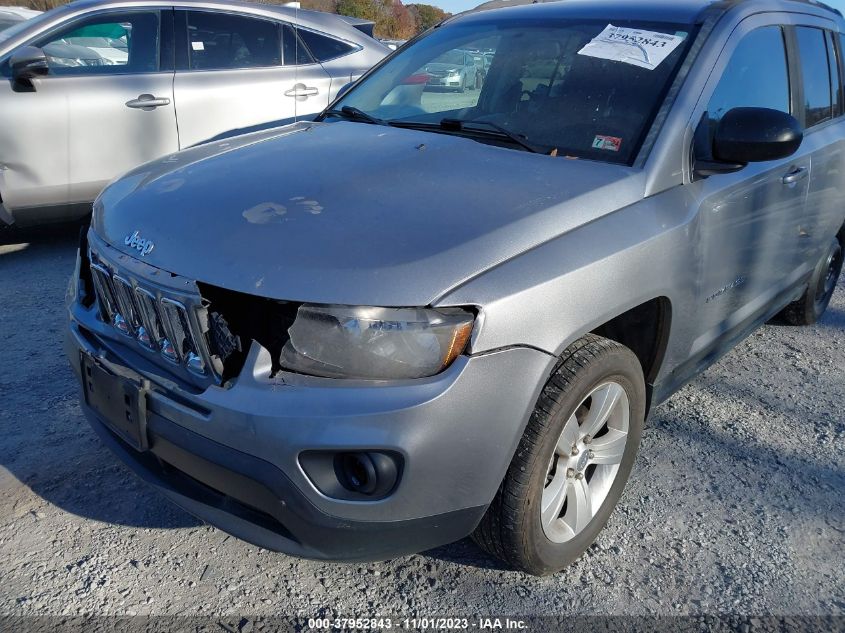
546 249
61 144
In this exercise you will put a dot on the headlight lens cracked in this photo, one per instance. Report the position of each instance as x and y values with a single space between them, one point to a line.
375 343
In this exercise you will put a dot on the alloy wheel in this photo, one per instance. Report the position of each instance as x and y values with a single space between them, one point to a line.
585 462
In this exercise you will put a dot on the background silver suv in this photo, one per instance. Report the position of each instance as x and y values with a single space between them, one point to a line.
357 356
94 88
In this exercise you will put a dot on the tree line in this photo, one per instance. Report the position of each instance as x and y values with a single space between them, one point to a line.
393 20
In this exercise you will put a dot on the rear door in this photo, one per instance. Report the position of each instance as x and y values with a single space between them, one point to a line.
237 73
105 106
821 113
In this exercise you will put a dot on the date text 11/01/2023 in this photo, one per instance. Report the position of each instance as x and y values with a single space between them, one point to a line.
424 623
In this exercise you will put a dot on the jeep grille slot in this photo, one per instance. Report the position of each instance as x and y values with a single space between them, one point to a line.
105 294
159 324
151 332
182 336
128 321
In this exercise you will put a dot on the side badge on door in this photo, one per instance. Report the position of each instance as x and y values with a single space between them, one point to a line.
142 245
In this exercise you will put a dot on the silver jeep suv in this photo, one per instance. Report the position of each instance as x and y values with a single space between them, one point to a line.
428 315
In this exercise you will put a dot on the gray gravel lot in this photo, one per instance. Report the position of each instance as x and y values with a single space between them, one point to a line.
736 504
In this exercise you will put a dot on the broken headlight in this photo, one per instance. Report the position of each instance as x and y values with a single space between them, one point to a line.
375 343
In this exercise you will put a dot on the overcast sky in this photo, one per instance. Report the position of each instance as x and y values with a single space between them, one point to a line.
456 6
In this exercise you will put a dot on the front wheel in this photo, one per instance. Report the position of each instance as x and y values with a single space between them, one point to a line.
572 462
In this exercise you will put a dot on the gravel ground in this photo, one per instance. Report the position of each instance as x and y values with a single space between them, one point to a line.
736 504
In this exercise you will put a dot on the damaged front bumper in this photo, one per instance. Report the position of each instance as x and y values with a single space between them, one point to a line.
239 455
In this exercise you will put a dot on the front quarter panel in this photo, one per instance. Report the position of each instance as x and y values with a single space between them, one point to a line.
550 296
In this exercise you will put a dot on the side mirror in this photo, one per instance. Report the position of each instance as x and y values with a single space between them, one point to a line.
750 135
27 63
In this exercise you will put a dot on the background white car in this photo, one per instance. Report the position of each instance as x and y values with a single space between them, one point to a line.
97 87
9 16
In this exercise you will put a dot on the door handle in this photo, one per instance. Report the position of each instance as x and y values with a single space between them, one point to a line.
301 92
147 102
799 173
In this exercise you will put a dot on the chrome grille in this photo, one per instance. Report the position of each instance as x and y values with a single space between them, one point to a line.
157 323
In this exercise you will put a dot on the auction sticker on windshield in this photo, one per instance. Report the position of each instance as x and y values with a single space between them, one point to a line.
632 46
612 143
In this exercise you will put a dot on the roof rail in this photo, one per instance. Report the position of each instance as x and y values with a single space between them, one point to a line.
815 3
821 5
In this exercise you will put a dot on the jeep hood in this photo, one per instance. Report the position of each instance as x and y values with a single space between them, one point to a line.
351 213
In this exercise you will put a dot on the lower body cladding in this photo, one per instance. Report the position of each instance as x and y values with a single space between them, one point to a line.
317 468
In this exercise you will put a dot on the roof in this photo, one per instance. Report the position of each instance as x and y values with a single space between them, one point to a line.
673 11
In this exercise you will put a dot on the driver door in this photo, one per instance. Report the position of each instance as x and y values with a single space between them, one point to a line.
749 221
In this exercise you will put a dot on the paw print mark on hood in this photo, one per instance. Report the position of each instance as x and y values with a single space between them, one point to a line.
265 213
309 206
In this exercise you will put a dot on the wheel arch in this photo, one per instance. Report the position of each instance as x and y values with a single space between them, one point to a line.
644 329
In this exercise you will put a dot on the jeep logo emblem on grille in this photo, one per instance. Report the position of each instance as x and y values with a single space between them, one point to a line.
140 244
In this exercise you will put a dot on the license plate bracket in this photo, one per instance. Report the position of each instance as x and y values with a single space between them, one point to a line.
120 403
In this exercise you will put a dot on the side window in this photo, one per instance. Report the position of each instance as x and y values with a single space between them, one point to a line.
324 47
756 75
106 43
812 47
295 52
835 82
221 41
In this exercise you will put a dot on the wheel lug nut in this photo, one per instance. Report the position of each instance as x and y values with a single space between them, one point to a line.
574 450
579 476
570 473
591 454
587 439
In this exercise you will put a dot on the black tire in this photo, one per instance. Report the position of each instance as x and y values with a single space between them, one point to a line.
511 529
812 305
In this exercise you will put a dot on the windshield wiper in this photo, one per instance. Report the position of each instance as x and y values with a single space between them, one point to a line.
461 125
354 114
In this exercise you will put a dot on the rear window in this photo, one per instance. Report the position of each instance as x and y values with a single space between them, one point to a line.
222 41
324 47
295 52
835 82
812 47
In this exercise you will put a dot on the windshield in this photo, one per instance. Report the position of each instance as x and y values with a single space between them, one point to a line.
583 89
